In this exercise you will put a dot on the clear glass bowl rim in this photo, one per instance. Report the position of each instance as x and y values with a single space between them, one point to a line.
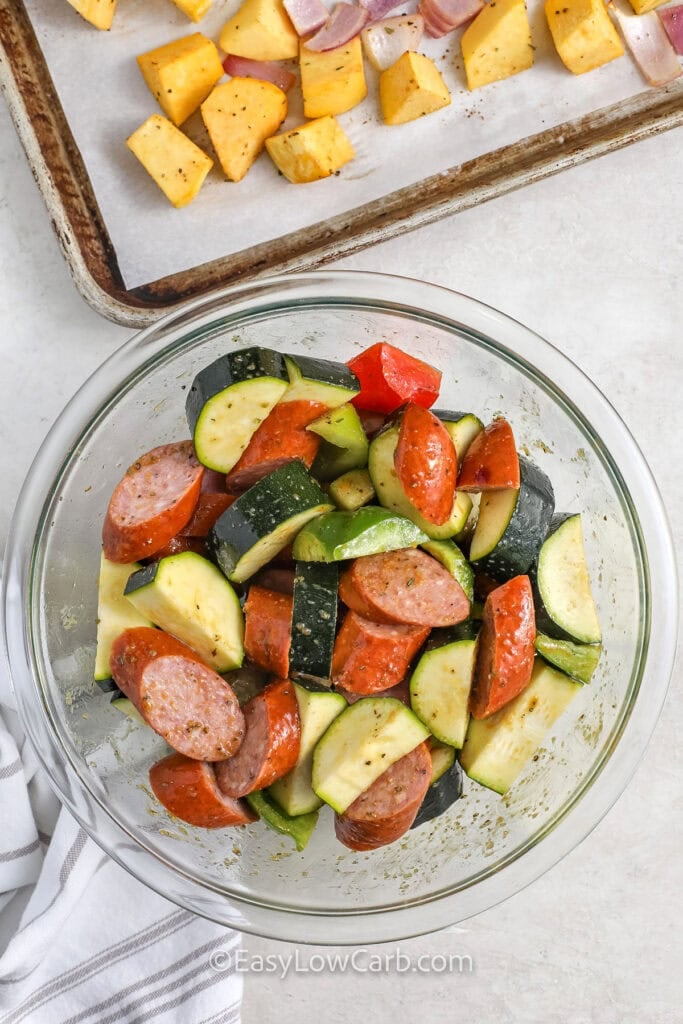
510 340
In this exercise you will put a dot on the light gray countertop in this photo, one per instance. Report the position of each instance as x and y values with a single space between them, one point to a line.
592 260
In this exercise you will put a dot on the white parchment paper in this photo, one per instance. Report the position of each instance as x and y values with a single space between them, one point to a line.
105 99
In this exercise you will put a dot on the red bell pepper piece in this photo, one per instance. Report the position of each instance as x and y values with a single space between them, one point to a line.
389 377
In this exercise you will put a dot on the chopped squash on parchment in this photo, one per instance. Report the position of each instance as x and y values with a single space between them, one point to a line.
260 30
333 81
99 13
181 74
497 44
410 88
194 9
312 151
583 32
239 116
176 164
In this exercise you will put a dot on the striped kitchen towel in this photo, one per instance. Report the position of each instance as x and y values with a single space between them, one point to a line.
81 941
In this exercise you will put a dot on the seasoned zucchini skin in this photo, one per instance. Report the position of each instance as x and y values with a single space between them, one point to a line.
521 540
232 368
441 795
314 619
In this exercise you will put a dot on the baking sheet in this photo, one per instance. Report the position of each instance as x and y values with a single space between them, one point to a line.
105 99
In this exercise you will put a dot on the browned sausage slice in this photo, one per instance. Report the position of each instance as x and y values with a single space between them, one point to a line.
271 746
387 809
180 697
268 629
405 586
188 789
281 437
372 656
152 503
210 506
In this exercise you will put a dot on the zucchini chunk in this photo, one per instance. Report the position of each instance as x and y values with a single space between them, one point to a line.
352 490
367 531
299 828
317 710
187 596
391 494
442 757
463 428
229 399
314 620
264 520
442 794
452 558
366 739
512 525
344 444
114 611
319 380
126 707
562 587
440 685
497 748
578 661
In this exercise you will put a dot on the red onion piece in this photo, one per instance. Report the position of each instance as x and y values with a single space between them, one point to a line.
442 16
306 15
378 9
672 20
387 40
264 70
344 24
649 44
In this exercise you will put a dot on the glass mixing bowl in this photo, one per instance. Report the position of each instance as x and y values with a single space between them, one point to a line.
486 847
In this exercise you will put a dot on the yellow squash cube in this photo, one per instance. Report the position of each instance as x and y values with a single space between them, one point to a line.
176 164
410 88
334 81
99 13
643 6
260 30
312 151
194 9
583 33
181 74
498 43
239 116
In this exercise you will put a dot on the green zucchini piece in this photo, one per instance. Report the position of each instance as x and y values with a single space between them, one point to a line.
578 661
317 710
565 607
367 531
126 707
498 748
264 520
512 525
463 428
442 757
390 493
366 739
352 490
114 611
187 596
314 620
319 380
441 795
344 444
299 828
229 399
440 685
452 558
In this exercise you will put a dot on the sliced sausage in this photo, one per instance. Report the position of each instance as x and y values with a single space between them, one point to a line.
399 692
387 809
505 657
268 629
213 482
491 462
276 578
271 745
152 503
177 545
370 656
180 697
210 505
407 586
426 463
188 789
281 437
